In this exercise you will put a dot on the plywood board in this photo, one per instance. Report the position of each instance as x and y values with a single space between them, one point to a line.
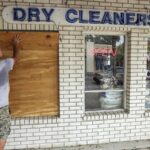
34 79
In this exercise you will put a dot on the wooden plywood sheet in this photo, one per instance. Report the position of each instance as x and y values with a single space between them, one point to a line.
34 80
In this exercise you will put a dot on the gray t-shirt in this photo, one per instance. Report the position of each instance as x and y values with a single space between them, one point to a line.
5 66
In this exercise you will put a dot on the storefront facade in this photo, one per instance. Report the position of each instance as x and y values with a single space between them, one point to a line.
94 108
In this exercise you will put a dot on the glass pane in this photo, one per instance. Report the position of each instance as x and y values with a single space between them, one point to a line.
104 61
104 100
147 102
104 70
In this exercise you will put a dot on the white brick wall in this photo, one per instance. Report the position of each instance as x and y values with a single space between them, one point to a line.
74 126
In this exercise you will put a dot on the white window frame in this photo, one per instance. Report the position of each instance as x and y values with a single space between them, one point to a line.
148 37
125 70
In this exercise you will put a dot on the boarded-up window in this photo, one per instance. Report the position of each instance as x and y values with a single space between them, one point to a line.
34 80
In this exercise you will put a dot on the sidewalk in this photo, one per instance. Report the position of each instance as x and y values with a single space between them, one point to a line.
132 145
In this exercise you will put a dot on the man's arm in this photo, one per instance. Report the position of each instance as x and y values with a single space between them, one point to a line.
15 42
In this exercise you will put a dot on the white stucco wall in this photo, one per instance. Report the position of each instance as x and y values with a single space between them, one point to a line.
74 126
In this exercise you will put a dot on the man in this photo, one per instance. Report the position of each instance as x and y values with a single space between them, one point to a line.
5 66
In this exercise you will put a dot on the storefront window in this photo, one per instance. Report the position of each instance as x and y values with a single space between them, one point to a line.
147 102
104 72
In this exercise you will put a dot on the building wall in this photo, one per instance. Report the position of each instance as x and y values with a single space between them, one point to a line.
74 126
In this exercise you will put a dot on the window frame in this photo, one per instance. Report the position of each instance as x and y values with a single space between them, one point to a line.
147 109
85 33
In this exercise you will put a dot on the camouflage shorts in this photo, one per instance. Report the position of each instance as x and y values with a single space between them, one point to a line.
5 122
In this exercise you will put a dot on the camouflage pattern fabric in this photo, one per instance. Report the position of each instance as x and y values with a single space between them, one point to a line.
5 122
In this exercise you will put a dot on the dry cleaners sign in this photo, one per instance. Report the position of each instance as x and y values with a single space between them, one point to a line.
73 16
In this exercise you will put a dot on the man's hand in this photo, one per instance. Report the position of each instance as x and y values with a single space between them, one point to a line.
16 40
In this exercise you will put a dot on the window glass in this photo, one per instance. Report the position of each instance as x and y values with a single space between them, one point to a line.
147 102
104 72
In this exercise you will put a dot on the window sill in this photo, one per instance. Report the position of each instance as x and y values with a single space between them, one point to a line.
105 114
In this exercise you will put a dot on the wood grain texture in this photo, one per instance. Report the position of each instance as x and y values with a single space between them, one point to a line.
34 79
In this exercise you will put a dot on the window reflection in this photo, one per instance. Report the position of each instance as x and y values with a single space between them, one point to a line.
104 71
104 62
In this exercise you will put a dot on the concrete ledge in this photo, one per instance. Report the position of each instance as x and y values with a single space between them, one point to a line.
132 145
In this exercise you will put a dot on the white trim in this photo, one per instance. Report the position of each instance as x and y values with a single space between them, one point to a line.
97 91
125 72
104 110
84 71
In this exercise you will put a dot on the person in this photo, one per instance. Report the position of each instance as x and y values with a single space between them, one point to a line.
5 66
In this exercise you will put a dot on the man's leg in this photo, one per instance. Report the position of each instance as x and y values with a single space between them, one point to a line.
4 126
2 144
